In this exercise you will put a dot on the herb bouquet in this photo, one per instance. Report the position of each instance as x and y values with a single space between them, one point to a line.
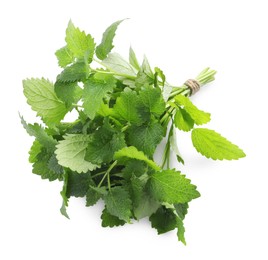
124 110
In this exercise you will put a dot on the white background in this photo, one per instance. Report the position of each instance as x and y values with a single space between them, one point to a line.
229 221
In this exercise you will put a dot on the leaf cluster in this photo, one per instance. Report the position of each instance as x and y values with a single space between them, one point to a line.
124 110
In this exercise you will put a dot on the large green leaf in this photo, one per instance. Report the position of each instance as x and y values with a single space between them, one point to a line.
212 145
42 98
118 203
172 187
71 151
80 44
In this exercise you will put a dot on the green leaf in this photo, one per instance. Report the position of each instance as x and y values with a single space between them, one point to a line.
145 76
146 137
131 152
40 134
92 196
164 220
78 71
118 203
103 144
64 206
42 99
78 184
143 204
172 187
40 166
34 151
95 89
159 73
81 45
200 117
183 120
54 166
133 59
181 210
115 63
134 167
212 145
146 68
71 151
126 107
70 93
106 45
109 220
180 231
153 100
64 56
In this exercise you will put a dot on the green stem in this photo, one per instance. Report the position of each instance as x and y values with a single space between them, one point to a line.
166 156
204 77
107 174
76 106
98 174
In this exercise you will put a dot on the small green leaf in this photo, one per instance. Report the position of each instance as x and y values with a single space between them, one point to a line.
159 73
212 145
40 134
181 231
95 89
172 187
78 71
134 167
126 107
118 203
133 59
81 45
68 92
181 210
183 120
131 152
143 204
145 76
64 56
146 137
200 117
146 68
103 144
42 98
64 206
78 184
71 151
106 45
34 151
54 166
109 220
41 166
164 220
153 100
92 196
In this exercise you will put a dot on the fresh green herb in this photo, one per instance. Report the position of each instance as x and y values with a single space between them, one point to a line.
124 110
